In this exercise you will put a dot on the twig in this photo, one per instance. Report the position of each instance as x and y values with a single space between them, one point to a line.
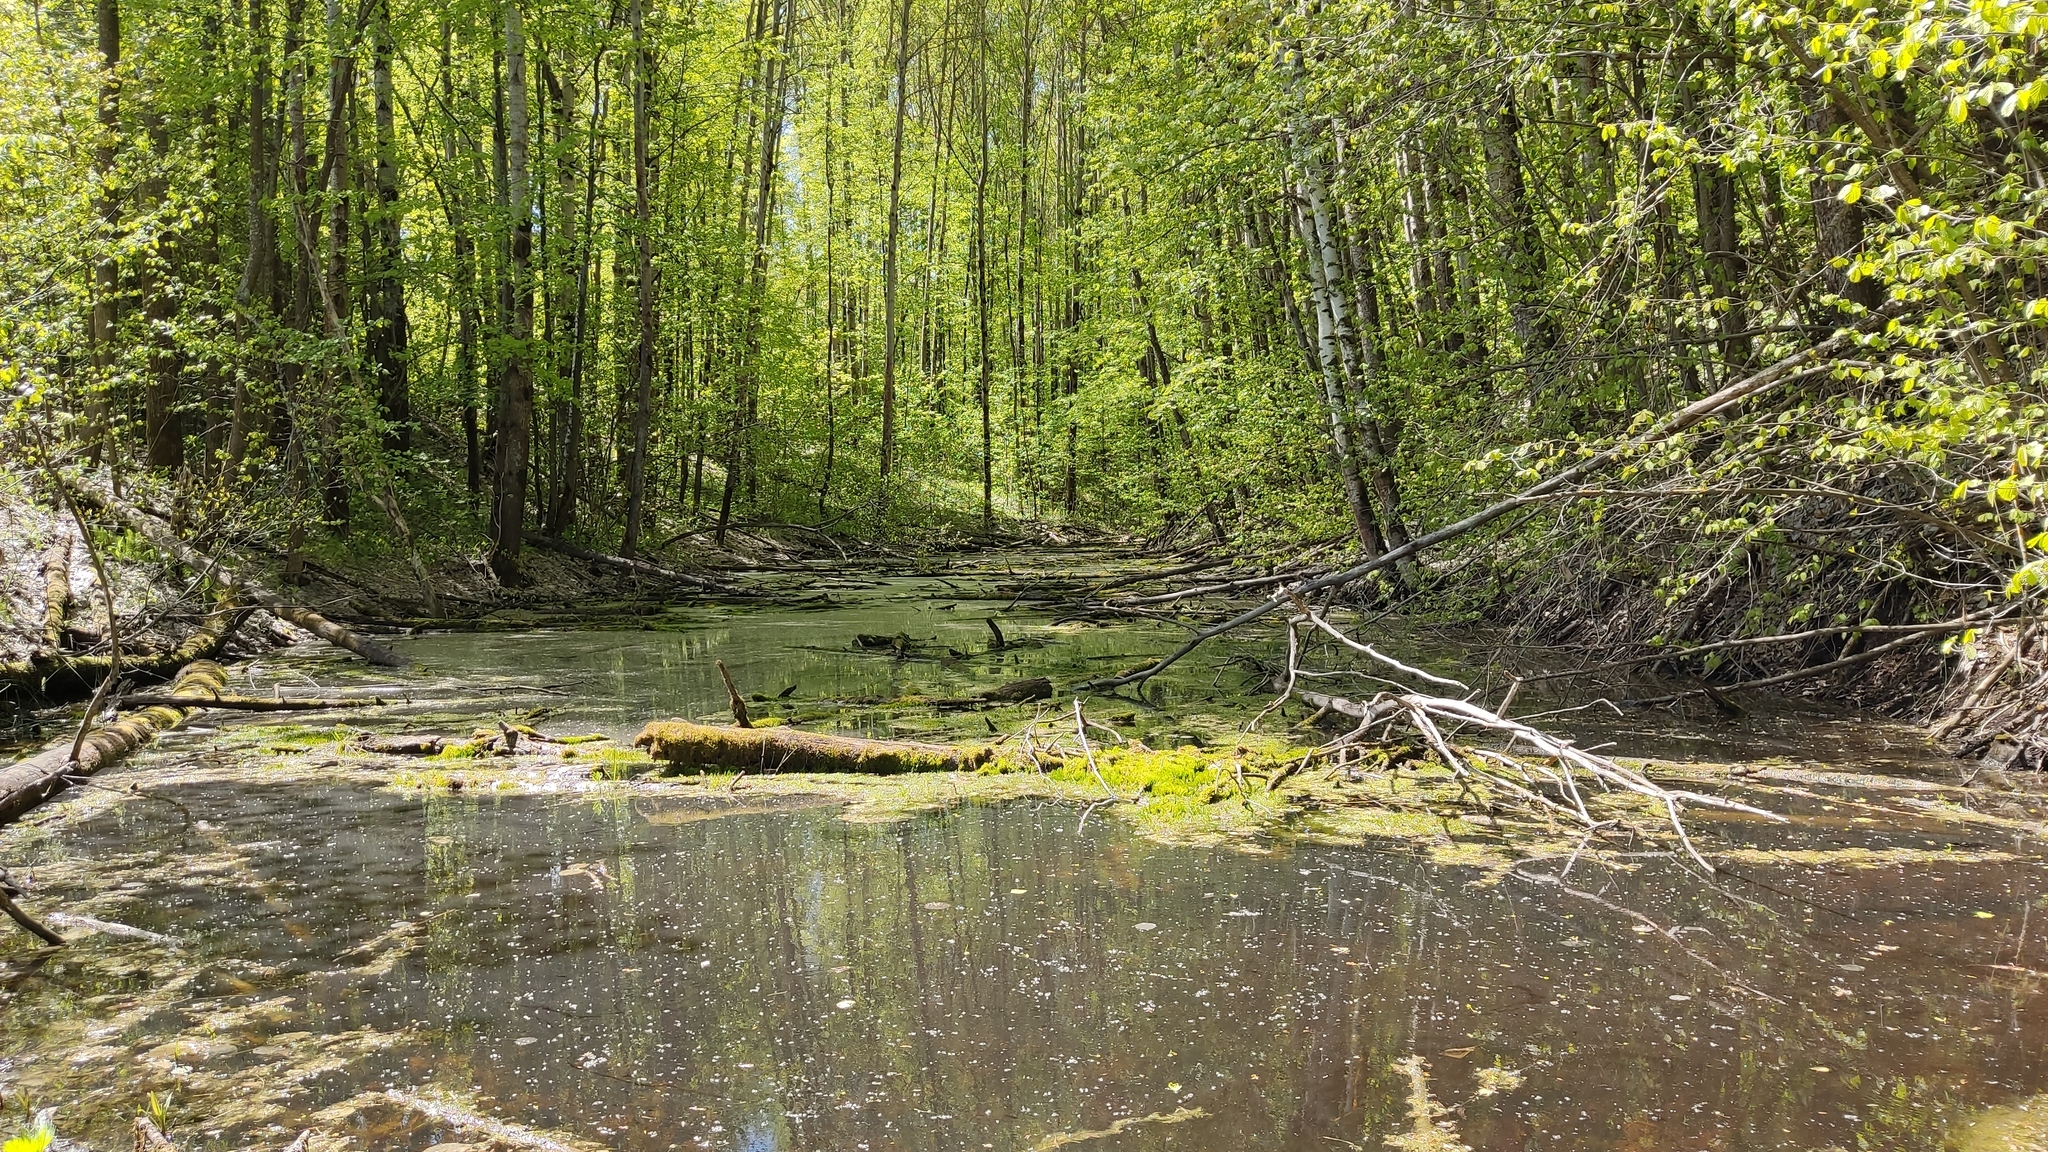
1081 730
28 922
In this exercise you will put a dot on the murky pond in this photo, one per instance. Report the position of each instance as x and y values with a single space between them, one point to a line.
647 968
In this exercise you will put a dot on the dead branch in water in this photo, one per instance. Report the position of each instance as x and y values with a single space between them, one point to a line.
28 923
625 564
250 703
732 693
150 1138
1557 762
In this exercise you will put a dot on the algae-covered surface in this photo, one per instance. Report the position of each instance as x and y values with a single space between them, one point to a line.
1200 942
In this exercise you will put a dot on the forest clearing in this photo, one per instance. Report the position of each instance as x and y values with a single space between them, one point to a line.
834 574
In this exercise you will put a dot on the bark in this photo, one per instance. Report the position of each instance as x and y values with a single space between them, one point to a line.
56 590
1521 248
1838 227
683 743
515 392
889 253
643 241
1356 359
388 340
29 782
163 432
107 273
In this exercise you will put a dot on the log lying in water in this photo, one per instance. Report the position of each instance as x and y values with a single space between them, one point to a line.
789 750
625 564
73 676
31 781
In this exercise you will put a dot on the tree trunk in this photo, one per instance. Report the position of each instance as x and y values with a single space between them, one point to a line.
643 348
889 253
107 273
515 389
1521 247
388 340
163 432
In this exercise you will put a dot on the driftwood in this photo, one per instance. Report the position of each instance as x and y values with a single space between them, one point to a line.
624 564
402 745
29 782
739 706
681 742
161 537
28 923
1014 692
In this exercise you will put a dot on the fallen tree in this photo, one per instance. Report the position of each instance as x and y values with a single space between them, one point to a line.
34 780
162 538
60 677
683 743
1798 366
624 564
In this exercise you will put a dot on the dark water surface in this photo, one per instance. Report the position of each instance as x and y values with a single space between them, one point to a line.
643 975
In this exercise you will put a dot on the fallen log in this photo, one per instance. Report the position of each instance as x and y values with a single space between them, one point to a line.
161 537
34 780
624 564
74 676
56 589
252 703
402 745
1798 366
681 742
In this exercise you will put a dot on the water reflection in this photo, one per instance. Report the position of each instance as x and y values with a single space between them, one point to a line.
648 978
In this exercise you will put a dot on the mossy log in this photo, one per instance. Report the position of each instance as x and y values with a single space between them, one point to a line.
73 677
34 780
681 742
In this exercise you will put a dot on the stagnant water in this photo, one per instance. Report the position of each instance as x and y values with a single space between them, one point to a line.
652 971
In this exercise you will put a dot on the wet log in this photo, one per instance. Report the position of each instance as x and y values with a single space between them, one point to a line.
34 780
1017 691
253 703
149 1138
623 564
402 745
162 538
76 676
681 742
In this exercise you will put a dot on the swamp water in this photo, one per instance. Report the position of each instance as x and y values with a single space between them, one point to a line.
653 965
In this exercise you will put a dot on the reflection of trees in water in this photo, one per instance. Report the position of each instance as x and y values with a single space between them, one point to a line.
686 974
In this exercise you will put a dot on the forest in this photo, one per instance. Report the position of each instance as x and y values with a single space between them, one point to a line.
1493 432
